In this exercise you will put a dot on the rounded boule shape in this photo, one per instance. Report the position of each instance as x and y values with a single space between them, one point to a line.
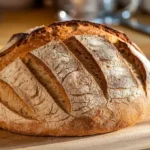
72 78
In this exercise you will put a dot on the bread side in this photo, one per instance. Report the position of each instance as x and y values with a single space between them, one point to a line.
11 121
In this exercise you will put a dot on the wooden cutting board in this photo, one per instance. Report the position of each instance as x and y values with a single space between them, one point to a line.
132 138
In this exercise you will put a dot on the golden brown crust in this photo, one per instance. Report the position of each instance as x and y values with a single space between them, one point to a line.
89 110
45 34
87 23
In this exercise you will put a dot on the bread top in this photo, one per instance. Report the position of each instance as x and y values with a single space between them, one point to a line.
91 71
22 43
64 30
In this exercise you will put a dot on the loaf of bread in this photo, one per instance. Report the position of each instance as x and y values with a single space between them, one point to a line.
72 78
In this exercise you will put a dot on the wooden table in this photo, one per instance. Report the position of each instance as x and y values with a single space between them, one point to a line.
136 137
14 22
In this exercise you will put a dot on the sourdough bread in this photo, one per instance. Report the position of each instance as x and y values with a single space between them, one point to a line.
72 78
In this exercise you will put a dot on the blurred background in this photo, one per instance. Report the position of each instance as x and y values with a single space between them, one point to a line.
130 16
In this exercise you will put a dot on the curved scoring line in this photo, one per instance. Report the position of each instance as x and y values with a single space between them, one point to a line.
88 61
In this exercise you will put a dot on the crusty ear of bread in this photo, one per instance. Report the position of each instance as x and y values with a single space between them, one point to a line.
72 78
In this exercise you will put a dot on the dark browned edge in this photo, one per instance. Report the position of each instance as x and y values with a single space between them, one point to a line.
24 40
87 23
